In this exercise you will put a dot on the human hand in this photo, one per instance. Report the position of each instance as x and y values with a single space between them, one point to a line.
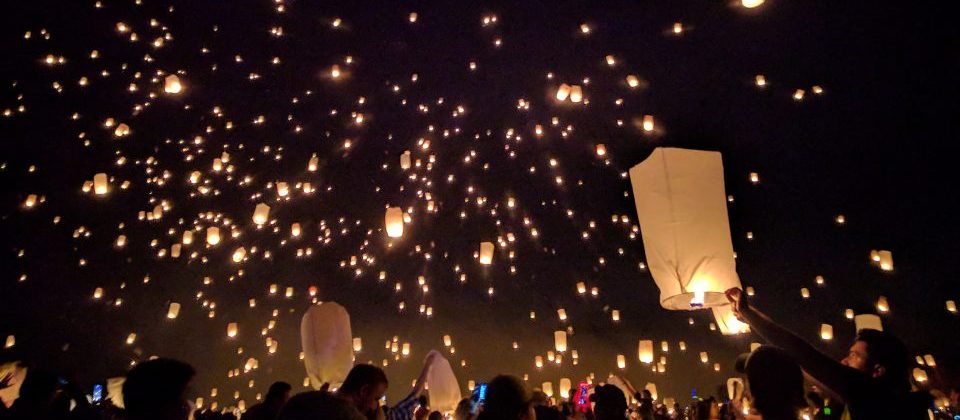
738 302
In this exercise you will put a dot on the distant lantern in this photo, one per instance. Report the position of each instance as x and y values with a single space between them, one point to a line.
560 340
621 362
875 256
919 375
633 81
760 80
261 213
929 360
187 238
413 17
576 93
601 149
172 85
295 230
750 4
804 293
357 344
563 92
447 341
798 95
581 287
232 329
678 28
819 280
664 346
645 351
122 130
681 204
101 185
826 332
335 71
750 291
648 124
173 310
213 235
565 386
615 314
30 201
283 189
683 346
951 306
394 222
754 178
239 254
313 163
886 260
561 314
547 389
848 313
121 241
538 362
704 357
486 253
882 305
132 338
405 160
728 322
11 341
868 322
611 60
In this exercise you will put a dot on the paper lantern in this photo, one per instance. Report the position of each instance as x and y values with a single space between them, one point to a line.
601 150
882 305
648 124
875 256
633 81
826 332
326 338
750 4
919 375
486 253
261 213
615 314
547 389
560 340
886 260
115 391
561 314
30 201
173 311
805 293
848 313
444 387
295 230
652 387
704 358
735 388
11 341
357 344
867 322
621 362
313 163
576 93
645 351
538 361
187 237
172 85
682 209
581 287
563 92
101 185
929 360
394 222
760 80
664 346
471 384
239 254
951 306
405 160
683 346
131 338
175 250
122 130
213 235
232 330
728 322
283 189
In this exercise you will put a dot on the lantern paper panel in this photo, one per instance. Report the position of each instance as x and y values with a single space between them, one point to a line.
868 322
681 206
444 388
728 322
327 344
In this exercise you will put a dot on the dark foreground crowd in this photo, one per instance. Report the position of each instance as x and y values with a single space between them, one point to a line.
871 382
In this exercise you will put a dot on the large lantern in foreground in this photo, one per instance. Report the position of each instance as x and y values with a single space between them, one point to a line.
327 344
444 388
681 206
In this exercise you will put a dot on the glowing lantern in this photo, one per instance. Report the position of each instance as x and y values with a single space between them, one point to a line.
681 205
394 222
122 130
335 71
131 338
874 255
172 85
232 330
30 201
326 339
173 310
295 230
11 341
848 313
563 92
121 241
313 163
213 235
405 160
175 250
826 332
547 389
261 213
633 81
413 17
581 287
760 80
576 93
357 344
615 315
486 253
187 237
239 254
565 386
100 184
951 306
645 351
444 387
621 362
652 387
919 375
601 150
886 260
929 360
882 305
447 341
560 340
798 95
805 293
750 4
704 358
283 189
728 322
648 124
538 362
562 314
867 322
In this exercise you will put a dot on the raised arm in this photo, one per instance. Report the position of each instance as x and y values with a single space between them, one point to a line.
833 375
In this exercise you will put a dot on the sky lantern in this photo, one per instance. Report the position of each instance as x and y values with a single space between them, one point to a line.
11 341
648 124
444 387
882 305
394 222
576 94
868 322
951 306
621 362
826 332
919 375
213 235
681 205
547 388
560 340
172 85
805 293
327 343
565 386
261 213
447 341
704 357
313 163
615 315
232 330
601 150
335 71
538 362
886 260
848 313
239 254
357 344
633 81
563 92
173 310
728 322
295 230
486 253
101 184
750 4
760 80
929 360
405 160
30 201
122 130
561 314
645 351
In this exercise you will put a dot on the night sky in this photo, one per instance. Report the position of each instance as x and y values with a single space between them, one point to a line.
873 146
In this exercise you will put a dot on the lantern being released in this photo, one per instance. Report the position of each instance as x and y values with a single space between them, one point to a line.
327 344
681 206
444 388
394 222
728 322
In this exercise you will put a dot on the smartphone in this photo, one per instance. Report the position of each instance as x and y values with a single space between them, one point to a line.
478 398
582 397
97 393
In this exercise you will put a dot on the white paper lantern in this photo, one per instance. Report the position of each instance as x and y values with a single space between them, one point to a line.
326 338
882 305
444 387
213 235
486 253
447 341
621 362
547 389
173 311
728 322
951 306
405 160
11 341
704 357
886 260
394 222
560 340
615 315
101 185
929 360
563 92
172 85
576 94
826 332
232 330
645 351
867 322
682 209
261 214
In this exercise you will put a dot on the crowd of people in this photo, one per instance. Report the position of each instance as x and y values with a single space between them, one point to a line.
871 382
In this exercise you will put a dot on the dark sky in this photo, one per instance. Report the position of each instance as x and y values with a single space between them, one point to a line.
875 147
